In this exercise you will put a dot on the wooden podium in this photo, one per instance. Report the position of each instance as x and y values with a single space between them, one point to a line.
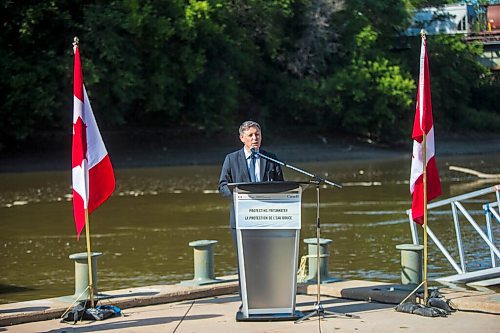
268 222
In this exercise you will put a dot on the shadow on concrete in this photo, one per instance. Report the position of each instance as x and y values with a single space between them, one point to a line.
342 306
26 309
119 325
360 307
215 300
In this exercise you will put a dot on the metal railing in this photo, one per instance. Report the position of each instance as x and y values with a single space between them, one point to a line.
491 212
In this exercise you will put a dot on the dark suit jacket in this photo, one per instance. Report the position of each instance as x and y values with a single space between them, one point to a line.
235 170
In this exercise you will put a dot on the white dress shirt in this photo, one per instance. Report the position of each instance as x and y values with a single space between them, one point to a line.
257 163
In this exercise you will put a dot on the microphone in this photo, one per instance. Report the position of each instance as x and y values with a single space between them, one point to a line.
256 153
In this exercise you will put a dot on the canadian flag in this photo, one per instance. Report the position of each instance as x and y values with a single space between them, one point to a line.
92 172
423 123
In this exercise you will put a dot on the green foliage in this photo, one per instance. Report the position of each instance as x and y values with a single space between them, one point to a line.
209 64
197 10
376 98
32 77
456 76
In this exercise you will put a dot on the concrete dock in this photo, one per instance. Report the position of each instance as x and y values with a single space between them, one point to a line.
212 308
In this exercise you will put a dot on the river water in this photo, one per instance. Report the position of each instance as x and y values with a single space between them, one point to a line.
144 229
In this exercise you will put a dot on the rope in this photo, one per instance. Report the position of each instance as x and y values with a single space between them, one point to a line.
301 273
183 317
414 290
77 299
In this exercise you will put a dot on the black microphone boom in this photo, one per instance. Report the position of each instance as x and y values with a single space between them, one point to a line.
316 178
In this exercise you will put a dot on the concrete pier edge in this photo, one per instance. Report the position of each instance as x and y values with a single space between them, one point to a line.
486 301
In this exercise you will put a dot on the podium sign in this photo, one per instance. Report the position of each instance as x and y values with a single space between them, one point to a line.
268 221
268 211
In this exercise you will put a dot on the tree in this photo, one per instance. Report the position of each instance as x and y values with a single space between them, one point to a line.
331 65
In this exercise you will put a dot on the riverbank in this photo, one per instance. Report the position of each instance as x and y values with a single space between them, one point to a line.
212 308
151 148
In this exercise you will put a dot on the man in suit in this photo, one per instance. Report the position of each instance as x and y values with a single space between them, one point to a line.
243 166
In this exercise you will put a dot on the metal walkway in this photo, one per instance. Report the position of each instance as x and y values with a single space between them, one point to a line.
491 213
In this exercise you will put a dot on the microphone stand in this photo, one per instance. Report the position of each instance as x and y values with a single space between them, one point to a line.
316 180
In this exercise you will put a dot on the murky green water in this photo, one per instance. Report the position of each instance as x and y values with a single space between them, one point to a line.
144 228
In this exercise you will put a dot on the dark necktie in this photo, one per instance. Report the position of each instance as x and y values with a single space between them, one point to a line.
252 168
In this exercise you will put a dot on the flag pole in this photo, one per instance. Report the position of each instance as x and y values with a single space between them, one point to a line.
424 158
76 43
87 146
89 257
426 290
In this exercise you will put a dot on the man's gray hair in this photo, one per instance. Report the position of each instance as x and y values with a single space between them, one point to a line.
247 124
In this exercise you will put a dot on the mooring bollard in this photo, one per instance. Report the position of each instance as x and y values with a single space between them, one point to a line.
411 263
203 263
323 260
82 275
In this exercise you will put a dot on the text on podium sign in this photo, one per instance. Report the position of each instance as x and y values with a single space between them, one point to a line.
268 210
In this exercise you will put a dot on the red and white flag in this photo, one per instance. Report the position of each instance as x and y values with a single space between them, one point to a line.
423 123
93 176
